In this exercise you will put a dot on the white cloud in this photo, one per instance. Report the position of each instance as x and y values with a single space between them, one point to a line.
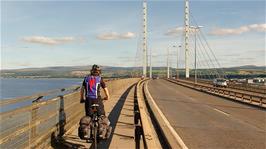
258 27
128 35
48 40
115 36
239 30
174 31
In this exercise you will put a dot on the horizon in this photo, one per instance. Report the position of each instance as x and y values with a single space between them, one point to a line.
126 67
75 33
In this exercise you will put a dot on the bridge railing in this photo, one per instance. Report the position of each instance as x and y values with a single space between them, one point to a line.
37 124
31 125
247 87
9 104
259 100
244 87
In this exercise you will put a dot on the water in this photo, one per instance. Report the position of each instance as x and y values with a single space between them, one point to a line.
14 87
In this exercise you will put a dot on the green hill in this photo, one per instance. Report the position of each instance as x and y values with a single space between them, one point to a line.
108 71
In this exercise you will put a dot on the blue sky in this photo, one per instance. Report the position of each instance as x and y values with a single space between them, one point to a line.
69 33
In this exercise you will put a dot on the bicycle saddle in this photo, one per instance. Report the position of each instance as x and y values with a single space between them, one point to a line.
95 105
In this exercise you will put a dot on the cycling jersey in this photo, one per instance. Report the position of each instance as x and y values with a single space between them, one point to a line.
92 86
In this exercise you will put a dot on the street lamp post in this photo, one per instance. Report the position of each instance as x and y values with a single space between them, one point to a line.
177 73
168 63
174 46
150 64
195 34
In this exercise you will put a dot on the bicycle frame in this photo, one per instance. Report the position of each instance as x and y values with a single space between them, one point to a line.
95 125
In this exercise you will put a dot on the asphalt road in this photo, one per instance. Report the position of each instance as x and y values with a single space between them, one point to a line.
206 121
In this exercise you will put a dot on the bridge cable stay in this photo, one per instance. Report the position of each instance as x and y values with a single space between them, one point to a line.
211 67
139 54
137 64
202 36
207 59
216 60
200 63
190 53
213 73
211 60
200 57
214 67
209 55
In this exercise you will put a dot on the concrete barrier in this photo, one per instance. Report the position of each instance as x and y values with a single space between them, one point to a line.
150 137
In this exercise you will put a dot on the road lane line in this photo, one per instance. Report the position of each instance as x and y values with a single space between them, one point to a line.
220 111
177 137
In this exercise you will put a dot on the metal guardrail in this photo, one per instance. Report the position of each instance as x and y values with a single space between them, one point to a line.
32 126
245 87
35 97
258 100
248 88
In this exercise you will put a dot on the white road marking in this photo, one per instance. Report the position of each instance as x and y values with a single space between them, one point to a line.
174 133
220 111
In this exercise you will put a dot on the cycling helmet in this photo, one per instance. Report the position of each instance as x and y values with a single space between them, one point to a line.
95 70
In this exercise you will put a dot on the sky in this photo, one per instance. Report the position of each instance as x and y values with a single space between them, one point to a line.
77 33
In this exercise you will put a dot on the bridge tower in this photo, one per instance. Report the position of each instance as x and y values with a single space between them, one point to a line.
186 37
144 42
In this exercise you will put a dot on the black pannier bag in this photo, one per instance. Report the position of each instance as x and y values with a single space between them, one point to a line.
84 128
104 127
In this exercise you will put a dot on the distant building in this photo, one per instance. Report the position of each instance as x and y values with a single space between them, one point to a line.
249 81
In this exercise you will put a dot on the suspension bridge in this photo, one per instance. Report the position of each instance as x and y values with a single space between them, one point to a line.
177 109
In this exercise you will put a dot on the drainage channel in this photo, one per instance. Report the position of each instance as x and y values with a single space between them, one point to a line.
140 143
146 132
163 141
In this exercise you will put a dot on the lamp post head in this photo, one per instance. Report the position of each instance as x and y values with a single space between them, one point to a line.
196 27
200 26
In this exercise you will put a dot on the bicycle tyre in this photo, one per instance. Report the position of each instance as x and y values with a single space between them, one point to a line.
95 137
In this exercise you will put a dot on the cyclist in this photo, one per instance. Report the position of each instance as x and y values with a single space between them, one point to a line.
92 84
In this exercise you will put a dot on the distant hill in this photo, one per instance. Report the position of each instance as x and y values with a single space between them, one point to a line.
253 67
109 71
65 72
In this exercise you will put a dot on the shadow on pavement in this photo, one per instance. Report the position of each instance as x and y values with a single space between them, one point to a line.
73 141
61 143
114 115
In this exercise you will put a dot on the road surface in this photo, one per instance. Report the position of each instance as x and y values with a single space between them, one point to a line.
206 121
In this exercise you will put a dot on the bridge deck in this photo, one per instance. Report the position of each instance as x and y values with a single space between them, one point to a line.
196 120
206 121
